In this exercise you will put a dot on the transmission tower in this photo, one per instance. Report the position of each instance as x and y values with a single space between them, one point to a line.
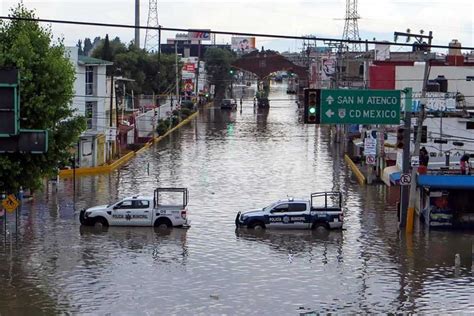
152 36
351 28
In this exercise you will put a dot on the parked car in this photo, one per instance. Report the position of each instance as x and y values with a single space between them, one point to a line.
140 211
228 104
324 209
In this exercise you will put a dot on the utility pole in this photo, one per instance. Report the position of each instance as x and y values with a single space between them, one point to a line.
177 72
197 70
111 111
137 23
416 151
404 189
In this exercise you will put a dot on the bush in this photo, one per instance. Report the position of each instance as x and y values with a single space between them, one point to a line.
163 127
185 113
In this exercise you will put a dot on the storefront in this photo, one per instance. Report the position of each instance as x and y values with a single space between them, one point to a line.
446 200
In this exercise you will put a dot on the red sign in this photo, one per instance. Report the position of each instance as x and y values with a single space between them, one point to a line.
189 67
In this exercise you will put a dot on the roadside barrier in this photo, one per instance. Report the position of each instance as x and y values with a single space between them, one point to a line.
360 177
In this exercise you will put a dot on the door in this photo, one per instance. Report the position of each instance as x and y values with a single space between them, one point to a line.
299 215
275 219
121 213
289 215
141 213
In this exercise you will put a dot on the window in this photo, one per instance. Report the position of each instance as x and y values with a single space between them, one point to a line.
282 208
124 204
89 80
297 207
141 204
89 115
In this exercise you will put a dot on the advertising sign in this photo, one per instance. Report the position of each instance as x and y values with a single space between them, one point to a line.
203 35
344 106
189 67
243 44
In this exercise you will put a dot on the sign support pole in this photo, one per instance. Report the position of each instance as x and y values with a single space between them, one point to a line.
404 190
416 151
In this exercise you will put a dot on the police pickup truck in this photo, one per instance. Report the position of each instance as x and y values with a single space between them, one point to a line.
140 211
324 209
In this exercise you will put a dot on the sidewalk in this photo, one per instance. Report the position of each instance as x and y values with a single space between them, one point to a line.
65 173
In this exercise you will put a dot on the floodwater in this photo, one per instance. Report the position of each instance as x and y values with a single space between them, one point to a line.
231 161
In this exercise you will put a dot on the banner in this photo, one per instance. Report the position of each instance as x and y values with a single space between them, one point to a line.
203 35
189 67
243 44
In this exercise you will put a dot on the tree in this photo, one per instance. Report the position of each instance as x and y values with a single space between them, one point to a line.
87 46
46 91
106 50
218 66
79 46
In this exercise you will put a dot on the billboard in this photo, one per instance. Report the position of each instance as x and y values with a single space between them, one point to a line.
243 44
189 67
202 35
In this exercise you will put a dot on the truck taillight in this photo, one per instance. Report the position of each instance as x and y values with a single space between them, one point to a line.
341 217
183 214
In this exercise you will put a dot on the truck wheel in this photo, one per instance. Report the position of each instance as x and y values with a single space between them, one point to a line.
163 223
101 222
257 225
320 226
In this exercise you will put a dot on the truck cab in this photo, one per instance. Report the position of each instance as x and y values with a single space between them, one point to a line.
324 209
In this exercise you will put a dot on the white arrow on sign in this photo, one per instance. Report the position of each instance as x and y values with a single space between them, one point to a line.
329 113
329 100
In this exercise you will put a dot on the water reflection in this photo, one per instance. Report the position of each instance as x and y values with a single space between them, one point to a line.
232 161
313 244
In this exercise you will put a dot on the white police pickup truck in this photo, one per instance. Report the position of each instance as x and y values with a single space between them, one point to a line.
140 211
324 209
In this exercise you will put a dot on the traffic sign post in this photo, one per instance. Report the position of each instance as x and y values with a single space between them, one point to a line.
370 159
10 204
360 106
405 179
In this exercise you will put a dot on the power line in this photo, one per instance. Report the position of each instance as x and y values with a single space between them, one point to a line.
174 29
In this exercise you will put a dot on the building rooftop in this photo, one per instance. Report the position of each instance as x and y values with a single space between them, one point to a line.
86 60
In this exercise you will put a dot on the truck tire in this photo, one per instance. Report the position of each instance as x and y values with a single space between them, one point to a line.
319 225
163 223
257 225
101 222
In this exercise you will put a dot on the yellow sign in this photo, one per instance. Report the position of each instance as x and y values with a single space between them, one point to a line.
10 203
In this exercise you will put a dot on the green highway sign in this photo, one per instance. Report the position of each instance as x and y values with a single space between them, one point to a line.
360 106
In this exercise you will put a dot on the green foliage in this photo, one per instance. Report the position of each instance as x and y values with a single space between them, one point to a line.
163 126
218 66
185 113
46 91
152 74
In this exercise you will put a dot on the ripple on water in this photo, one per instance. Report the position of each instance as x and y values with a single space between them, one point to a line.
232 162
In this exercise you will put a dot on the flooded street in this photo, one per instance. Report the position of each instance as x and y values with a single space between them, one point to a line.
231 161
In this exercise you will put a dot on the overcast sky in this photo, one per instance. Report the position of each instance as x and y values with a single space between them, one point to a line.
379 18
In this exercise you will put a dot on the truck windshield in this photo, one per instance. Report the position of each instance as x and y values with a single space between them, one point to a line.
269 207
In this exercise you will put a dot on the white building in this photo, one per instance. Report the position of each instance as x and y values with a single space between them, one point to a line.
91 101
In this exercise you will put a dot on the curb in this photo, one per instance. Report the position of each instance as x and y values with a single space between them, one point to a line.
360 177
65 173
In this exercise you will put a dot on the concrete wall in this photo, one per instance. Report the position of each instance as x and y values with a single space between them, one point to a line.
412 76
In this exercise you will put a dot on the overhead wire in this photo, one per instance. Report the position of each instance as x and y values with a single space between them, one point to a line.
175 29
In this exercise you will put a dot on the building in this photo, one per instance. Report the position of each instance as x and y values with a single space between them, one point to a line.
91 100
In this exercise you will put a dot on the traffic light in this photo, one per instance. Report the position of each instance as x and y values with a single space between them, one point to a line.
231 71
9 100
312 106
400 137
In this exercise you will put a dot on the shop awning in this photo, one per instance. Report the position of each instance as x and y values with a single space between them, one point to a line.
464 182
391 175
